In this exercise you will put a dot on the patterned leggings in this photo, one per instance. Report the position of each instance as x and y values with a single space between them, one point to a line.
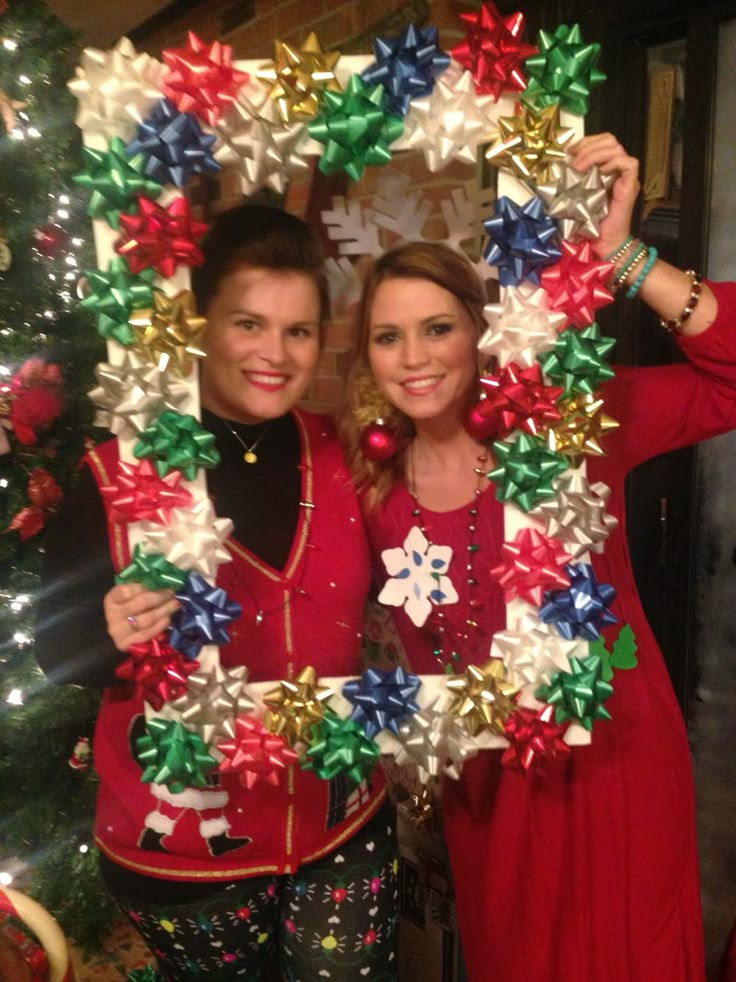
333 919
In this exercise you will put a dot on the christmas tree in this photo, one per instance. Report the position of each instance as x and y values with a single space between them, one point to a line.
48 348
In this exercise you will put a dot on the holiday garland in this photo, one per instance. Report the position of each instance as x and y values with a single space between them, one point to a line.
147 128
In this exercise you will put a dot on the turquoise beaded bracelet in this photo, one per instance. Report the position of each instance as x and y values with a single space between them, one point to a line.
636 285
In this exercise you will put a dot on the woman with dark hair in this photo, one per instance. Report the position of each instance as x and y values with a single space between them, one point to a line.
586 870
222 881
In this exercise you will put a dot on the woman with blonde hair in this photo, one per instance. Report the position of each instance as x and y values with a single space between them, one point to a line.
587 870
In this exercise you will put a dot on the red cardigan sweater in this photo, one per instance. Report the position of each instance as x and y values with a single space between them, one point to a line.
313 616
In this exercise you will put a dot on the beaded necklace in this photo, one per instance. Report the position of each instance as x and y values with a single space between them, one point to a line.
448 640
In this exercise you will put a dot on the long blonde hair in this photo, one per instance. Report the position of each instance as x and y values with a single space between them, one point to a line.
431 261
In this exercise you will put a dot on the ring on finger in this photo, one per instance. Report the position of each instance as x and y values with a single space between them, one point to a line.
131 620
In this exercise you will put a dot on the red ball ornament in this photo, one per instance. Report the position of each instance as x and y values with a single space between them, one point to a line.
378 442
50 240
339 894
481 425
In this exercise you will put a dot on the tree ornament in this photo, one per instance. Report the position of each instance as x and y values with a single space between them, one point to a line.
44 495
254 754
576 514
521 326
50 239
525 471
201 78
81 755
534 739
355 129
6 257
493 50
298 79
577 360
522 240
116 179
173 146
172 755
160 237
529 143
8 108
204 614
482 697
577 284
581 610
340 746
141 494
450 123
176 441
158 672
579 693
406 66
295 706
563 72
382 699
378 441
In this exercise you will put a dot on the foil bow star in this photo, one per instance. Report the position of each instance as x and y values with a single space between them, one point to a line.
115 179
340 746
169 333
194 538
517 398
579 693
172 755
531 564
160 237
128 395
201 78
529 143
482 697
564 71
577 361
157 672
577 284
581 426
254 754
581 610
173 146
576 514
521 327
382 699
522 240
534 738
578 202
215 697
295 706
532 651
140 494
525 471
204 614
114 295
406 66
493 50
298 79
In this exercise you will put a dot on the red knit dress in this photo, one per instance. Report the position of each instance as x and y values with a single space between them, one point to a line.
589 873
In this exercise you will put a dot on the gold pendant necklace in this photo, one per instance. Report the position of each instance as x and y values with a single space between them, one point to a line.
250 456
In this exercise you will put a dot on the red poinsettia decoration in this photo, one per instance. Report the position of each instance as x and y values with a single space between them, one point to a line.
44 494
161 238
29 402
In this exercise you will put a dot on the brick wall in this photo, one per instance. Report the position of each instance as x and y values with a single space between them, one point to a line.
336 23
